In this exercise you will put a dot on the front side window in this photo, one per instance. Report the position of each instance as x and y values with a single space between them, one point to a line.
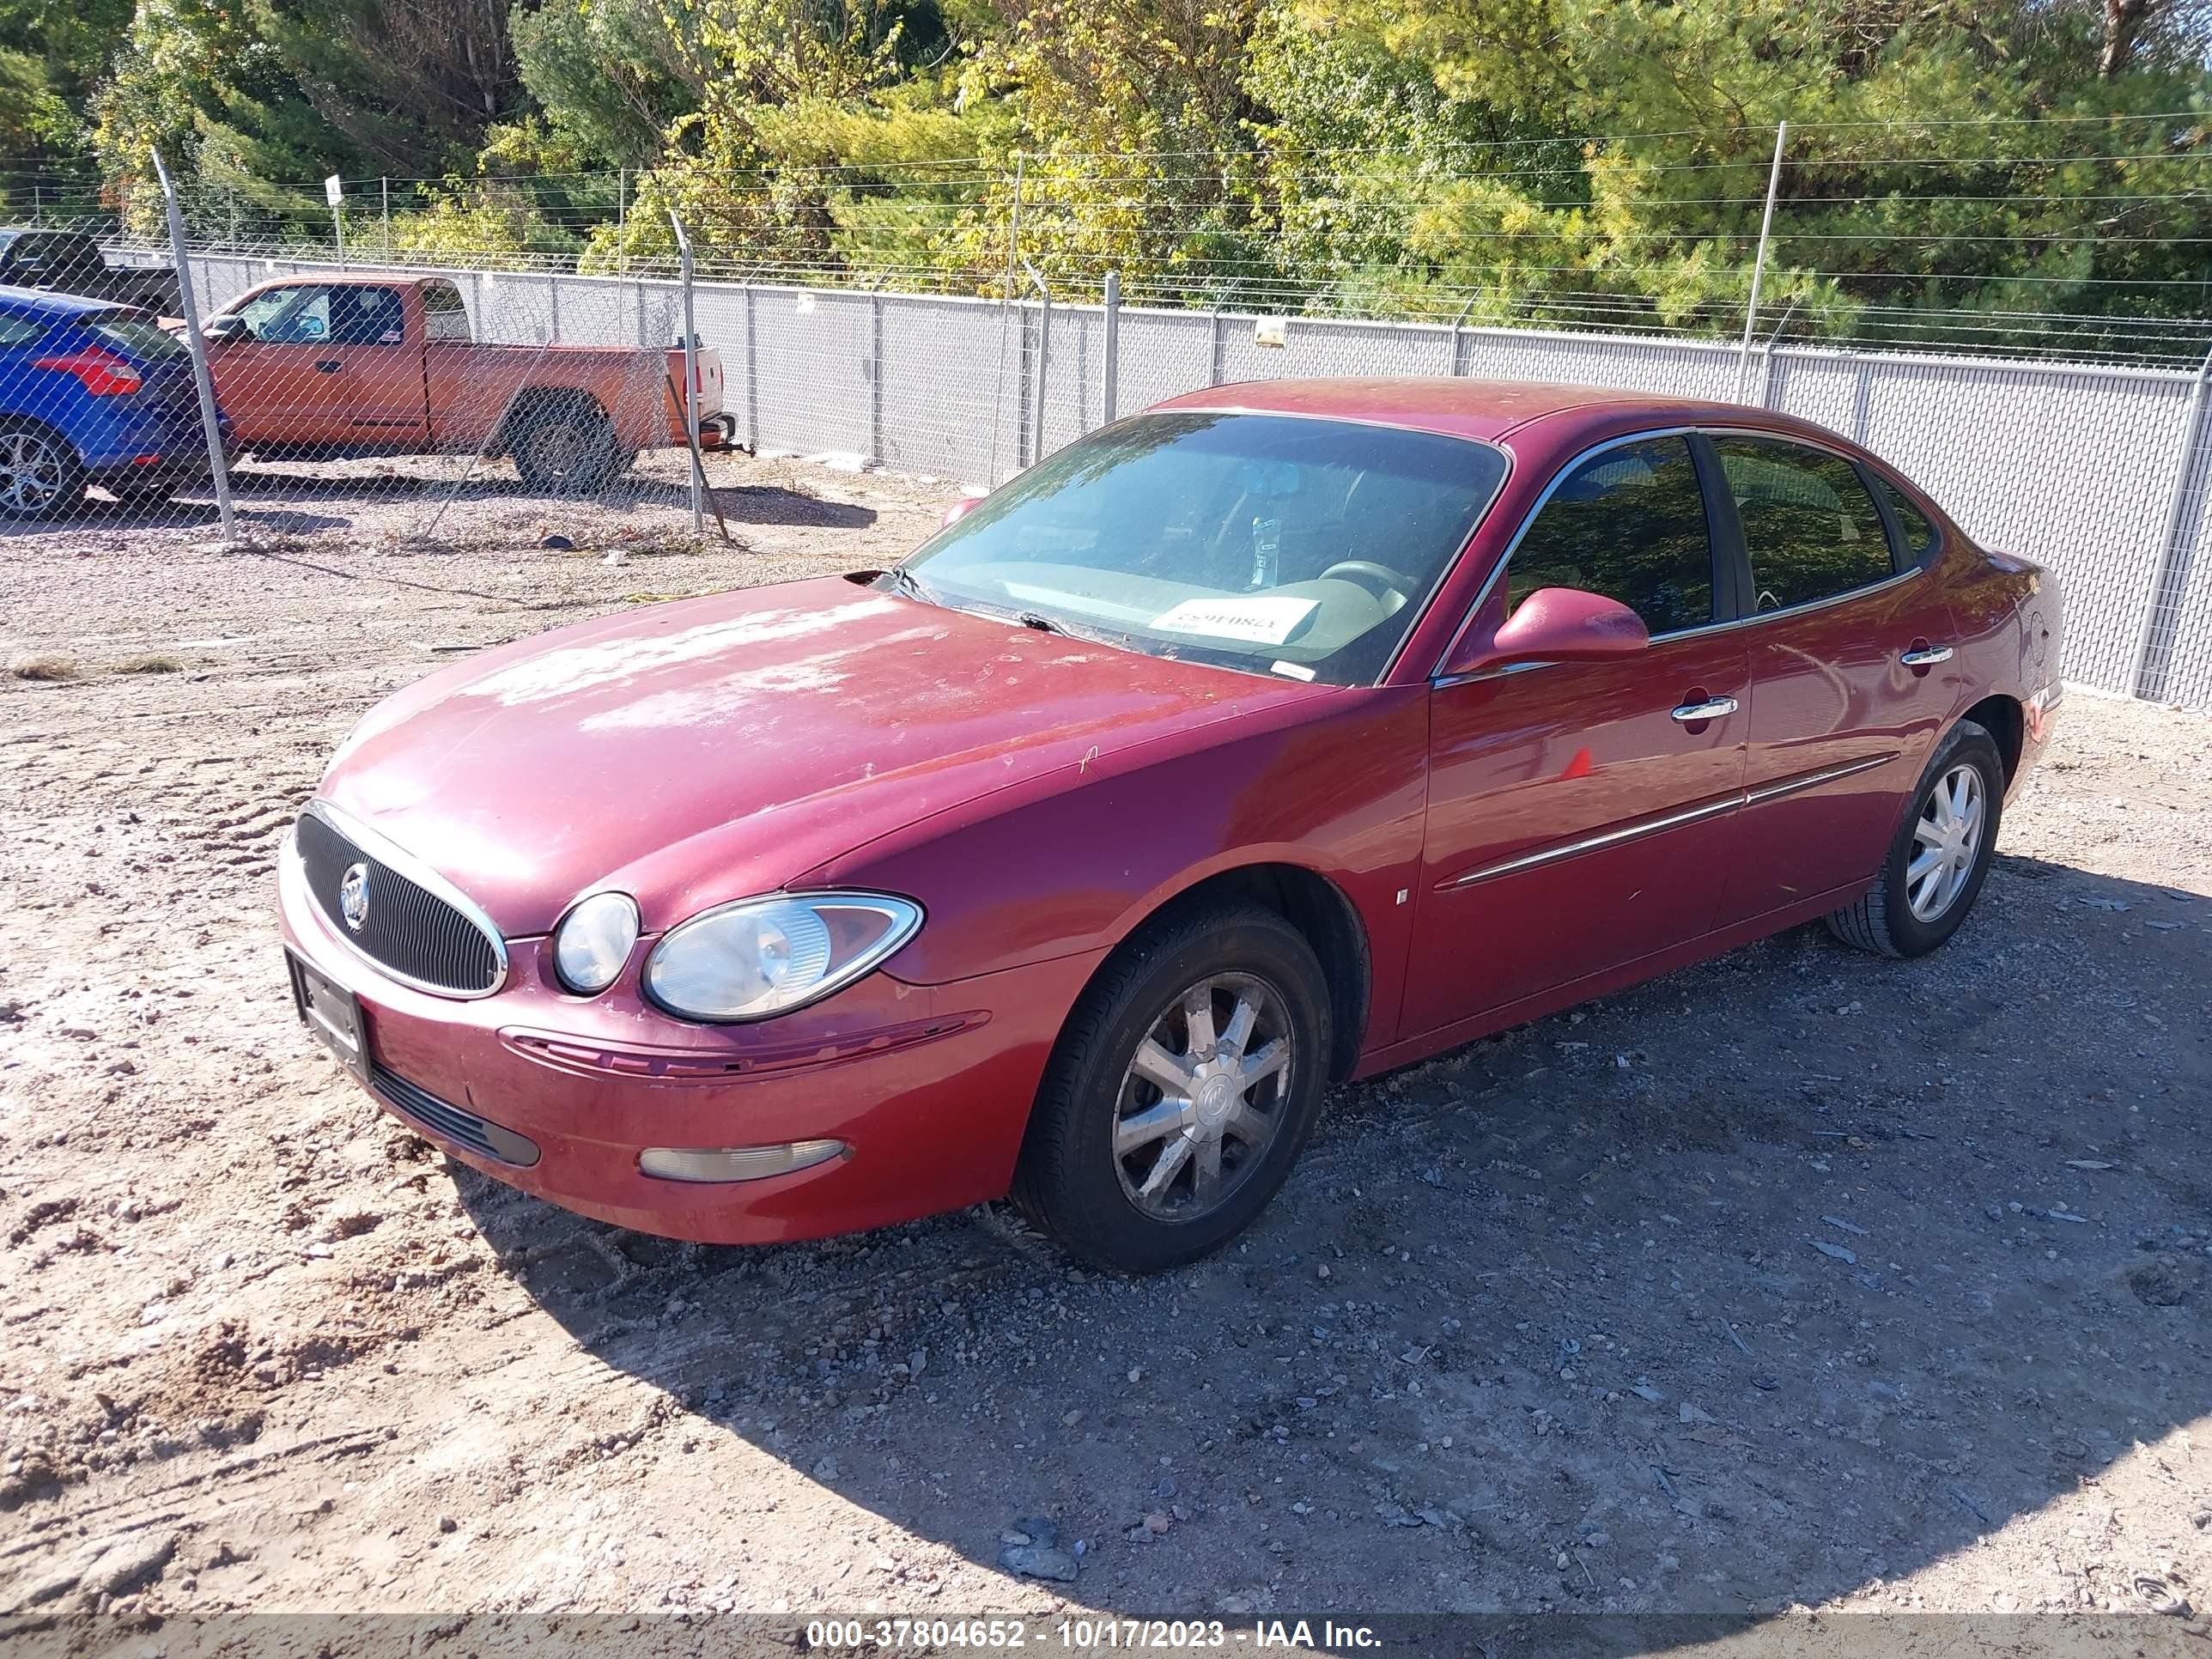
1810 528
1273 544
289 316
1628 523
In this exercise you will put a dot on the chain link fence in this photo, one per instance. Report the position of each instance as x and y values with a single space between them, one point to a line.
417 402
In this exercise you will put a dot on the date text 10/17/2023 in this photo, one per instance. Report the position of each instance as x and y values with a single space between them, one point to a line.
1088 1635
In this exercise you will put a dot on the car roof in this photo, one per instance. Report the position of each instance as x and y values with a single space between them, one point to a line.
318 279
1483 409
53 304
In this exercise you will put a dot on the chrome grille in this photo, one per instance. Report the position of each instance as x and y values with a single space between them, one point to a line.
421 937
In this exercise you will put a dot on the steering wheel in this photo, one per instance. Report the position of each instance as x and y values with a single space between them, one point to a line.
1384 581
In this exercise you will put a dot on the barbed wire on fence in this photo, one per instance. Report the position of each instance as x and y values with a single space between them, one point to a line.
2078 236
944 318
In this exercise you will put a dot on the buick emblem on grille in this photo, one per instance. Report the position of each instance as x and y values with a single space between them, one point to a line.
353 896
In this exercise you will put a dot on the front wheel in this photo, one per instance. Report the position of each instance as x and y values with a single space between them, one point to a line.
1941 854
1184 1088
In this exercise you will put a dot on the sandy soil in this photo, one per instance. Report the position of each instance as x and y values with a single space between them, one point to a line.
1802 1278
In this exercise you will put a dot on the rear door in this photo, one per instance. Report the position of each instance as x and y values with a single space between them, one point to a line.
379 367
1848 640
1581 815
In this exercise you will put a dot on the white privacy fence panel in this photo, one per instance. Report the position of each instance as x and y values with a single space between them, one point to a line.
2104 474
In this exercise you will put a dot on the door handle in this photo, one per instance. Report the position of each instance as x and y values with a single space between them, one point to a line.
1691 713
328 366
1926 656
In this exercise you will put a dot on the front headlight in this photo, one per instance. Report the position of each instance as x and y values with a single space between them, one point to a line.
593 940
767 956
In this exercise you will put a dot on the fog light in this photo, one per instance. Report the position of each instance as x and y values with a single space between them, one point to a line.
736 1163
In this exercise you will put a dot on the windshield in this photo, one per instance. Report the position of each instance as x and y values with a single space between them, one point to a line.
1274 543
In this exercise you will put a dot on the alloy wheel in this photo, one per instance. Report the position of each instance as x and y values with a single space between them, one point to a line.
1204 1097
32 473
1945 842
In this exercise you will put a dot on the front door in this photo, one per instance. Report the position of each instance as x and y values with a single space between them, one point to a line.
282 381
1848 642
1581 815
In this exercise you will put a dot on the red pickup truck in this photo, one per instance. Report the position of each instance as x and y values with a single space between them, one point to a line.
377 365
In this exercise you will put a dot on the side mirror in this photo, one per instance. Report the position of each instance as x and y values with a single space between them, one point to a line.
216 329
1556 624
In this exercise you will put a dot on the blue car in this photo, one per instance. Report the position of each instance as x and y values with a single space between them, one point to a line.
91 393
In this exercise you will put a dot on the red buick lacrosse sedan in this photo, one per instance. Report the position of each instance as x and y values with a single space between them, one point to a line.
1277 736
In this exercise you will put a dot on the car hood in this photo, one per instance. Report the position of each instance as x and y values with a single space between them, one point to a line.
698 752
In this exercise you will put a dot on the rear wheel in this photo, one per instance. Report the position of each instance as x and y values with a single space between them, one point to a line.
1941 854
1182 1089
565 447
41 477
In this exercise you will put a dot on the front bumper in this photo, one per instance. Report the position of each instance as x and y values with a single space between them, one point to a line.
929 1088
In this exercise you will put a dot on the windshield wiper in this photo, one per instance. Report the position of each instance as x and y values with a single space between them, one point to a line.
1042 625
908 582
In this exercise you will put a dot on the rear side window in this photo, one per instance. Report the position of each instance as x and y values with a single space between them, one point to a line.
1810 528
20 331
134 335
365 316
1628 523
444 316
1919 534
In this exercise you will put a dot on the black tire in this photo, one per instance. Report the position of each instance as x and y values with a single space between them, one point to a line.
41 474
565 445
1067 1181
144 495
1883 921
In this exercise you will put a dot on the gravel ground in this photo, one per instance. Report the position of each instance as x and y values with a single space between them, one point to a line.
1802 1278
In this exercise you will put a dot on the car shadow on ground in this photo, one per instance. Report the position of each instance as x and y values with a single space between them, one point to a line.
739 504
1760 1284
100 513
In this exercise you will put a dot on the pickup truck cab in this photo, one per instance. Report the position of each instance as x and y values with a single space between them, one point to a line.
70 262
381 365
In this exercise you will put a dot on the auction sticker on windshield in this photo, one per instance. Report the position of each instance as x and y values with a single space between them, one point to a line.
1266 619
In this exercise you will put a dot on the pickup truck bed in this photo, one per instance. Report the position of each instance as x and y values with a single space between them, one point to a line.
378 365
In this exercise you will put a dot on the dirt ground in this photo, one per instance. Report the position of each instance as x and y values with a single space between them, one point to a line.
1799 1279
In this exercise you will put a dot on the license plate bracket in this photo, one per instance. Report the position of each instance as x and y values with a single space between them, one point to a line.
332 1012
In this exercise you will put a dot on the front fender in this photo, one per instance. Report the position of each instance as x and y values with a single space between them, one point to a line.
1075 860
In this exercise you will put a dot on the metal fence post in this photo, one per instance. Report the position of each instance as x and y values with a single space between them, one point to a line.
876 371
752 375
1759 263
2176 543
203 378
1459 337
385 186
1043 363
1109 367
691 384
